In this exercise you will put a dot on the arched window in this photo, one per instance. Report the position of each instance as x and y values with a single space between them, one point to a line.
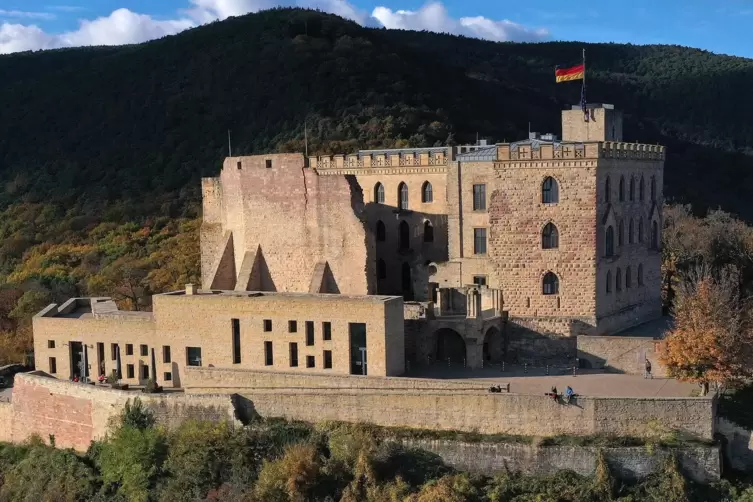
403 236
632 188
427 195
550 192
622 189
381 269
654 235
607 190
550 237
621 233
628 278
609 281
379 193
381 232
402 196
550 284
618 280
640 230
642 189
428 232
631 229
609 245
653 188
640 274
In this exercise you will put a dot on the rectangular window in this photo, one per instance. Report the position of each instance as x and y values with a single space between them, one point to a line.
327 330
292 326
310 362
309 333
113 351
50 344
479 280
293 355
53 365
328 359
479 241
144 350
268 163
479 197
236 341
129 349
267 325
101 355
168 377
268 356
145 372
166 357
358 359
193 356
129 371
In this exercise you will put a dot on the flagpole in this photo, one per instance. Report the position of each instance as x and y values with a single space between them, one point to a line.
584 102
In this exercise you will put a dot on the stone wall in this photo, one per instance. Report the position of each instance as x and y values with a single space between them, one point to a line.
6 421
423 404
621 354
738 446
700 463
75 414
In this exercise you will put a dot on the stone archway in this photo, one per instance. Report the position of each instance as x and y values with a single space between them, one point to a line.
494 346
450 345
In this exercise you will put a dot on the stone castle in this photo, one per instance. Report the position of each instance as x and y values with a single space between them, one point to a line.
372 262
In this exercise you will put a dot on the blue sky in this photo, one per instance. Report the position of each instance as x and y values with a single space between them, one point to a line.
723 26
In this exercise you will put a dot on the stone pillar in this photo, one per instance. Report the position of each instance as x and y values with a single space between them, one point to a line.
474 353
477 302
470 301
438 305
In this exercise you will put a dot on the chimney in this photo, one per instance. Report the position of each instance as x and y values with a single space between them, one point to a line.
192 289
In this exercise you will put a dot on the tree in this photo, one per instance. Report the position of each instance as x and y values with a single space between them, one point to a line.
712 337
125 279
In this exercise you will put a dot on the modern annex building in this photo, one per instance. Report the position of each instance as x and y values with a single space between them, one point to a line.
506 250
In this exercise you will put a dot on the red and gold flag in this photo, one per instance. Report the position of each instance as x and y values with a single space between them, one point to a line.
572 73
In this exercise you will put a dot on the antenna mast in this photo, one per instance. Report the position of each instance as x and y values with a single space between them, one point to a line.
229 145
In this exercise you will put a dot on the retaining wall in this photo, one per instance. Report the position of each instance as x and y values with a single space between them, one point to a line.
621 354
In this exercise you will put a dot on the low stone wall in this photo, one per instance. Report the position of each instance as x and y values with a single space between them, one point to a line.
738 450
77 414
621 354
198 380
700 463
6 421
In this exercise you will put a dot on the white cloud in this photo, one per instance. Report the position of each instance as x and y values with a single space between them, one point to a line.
434 17
26 14
123 26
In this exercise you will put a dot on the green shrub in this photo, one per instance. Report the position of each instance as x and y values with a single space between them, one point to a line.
136 415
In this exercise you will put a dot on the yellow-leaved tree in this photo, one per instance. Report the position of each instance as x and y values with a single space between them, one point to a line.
712 337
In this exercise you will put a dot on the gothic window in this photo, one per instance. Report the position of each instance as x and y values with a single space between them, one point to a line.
609 281
427 194
381 269
628 278
640 230
551 284
607 190
402 196
379 193
550 191
609 247
640 274
654 235
641 190
428 232
631 228
381 232
653 188
618 280
621 233
404 236
622 189
632 188
550 237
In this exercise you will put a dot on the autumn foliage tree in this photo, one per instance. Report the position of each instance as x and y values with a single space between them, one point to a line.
712 338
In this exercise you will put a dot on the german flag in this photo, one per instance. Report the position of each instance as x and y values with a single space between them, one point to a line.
572 73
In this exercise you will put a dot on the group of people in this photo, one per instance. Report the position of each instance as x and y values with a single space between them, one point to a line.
567 396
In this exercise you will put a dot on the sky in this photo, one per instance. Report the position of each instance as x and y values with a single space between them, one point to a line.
721 26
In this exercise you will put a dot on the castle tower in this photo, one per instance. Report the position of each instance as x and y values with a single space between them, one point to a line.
604 123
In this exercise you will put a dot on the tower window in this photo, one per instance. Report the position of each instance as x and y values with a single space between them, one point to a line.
550 237
379 193
609 281
479 197
479 241
403 236
640 274
607 190
402 194
268 163
620 233
628 278
551 284
550 191
428 232
654 235
653 189
622 189
427 194
632 188
618 280
609 245
381 269
381 232
642 190
640 230
631 229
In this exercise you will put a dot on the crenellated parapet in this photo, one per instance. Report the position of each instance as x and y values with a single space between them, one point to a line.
534 150
369 159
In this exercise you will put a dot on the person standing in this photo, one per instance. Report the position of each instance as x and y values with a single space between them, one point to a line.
647 373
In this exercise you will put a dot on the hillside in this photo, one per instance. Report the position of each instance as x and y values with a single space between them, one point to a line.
101 149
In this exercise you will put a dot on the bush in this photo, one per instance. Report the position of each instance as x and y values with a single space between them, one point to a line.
292 478
151 387
136 415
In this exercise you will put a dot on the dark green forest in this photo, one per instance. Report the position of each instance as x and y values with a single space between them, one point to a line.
101 149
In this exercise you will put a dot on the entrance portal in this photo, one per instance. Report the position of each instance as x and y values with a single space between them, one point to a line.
358 365
407 282
493 346
450 345
79 365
